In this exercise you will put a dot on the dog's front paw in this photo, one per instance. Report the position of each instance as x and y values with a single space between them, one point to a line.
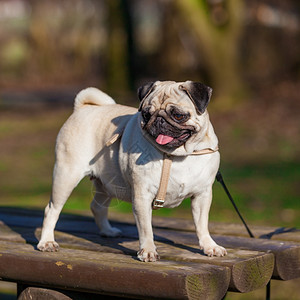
50 246
210 248
147 256
215 250
111 232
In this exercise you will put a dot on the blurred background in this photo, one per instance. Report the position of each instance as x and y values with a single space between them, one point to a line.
247 51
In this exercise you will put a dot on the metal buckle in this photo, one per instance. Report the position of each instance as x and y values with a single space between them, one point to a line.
157 203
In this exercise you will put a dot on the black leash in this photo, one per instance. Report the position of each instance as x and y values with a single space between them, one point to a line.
220 179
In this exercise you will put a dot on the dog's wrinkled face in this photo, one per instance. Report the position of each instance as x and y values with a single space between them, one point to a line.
172 112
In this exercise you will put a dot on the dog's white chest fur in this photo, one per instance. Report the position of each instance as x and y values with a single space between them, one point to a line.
141 166
189 176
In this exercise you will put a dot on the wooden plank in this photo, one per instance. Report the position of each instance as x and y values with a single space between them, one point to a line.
286 245
112 274
40 293
263 232
36 293
250 270
286 254
33 218
243 264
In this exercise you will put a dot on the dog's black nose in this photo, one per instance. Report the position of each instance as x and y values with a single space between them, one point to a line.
161 120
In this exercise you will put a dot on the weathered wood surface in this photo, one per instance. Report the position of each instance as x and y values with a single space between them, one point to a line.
231 229
248 265
112 274
26 292
284 243
287 254
31 293
244 265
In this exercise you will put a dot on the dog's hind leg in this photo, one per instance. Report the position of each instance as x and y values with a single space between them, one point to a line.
99 208
64 181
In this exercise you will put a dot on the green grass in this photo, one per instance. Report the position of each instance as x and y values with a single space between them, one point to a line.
267 193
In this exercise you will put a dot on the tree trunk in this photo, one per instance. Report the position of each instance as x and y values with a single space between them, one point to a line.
218 28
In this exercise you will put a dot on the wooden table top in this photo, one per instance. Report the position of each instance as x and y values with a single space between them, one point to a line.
90 263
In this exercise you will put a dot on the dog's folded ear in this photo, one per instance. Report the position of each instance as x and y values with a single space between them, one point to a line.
144 91
199 93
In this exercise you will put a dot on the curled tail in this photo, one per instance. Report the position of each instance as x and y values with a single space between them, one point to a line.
92 96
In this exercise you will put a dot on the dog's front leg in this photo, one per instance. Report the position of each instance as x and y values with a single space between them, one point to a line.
200 209
143 215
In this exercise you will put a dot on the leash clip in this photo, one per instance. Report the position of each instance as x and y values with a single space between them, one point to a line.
157 203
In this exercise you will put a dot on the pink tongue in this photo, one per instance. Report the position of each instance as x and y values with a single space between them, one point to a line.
164 139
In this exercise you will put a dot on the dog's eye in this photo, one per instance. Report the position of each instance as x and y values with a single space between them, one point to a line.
178 117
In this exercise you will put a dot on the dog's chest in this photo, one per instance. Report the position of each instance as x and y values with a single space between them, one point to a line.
187 178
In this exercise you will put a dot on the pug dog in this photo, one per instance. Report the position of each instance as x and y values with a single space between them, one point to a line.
122 149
